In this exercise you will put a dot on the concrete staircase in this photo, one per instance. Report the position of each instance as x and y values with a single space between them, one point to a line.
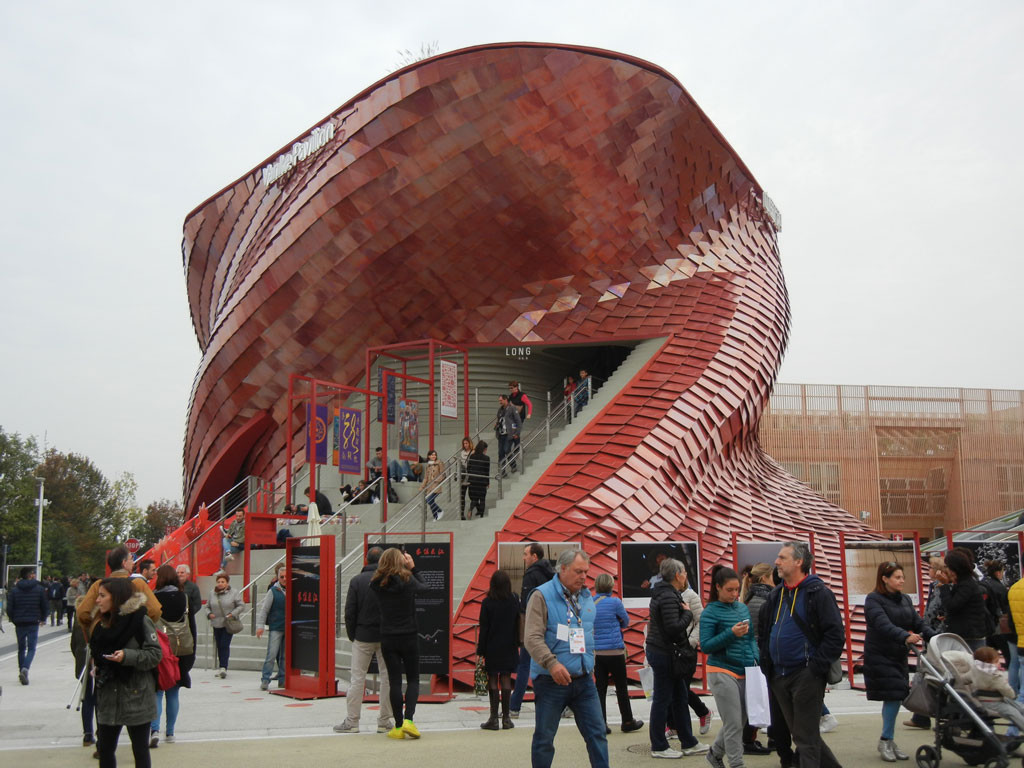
542 443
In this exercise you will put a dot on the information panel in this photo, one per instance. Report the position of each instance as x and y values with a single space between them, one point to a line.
304 594
433 605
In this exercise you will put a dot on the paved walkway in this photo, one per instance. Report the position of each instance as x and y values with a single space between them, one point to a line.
232 723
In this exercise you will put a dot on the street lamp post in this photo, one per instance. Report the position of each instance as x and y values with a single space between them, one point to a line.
39 530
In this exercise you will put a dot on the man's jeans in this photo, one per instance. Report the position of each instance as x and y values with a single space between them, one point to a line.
275 652
799 694
522 678
581 697
362 654
506 450
27 636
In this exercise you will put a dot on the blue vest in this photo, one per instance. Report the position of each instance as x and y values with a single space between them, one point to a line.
276 615
558 613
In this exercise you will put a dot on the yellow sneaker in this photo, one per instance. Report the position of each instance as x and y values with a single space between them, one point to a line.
396 733
410 728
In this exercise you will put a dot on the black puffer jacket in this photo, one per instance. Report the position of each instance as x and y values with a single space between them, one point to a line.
669 620
397 601
964 604
362 611
890 619
757 597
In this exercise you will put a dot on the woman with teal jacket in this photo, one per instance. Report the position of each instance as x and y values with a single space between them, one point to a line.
726 638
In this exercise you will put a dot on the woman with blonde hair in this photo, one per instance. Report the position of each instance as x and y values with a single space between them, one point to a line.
757 586
395 583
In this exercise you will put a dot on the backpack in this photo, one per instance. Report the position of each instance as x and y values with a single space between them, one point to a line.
167 672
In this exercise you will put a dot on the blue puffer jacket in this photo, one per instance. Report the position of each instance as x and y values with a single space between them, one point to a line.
609 622
719 642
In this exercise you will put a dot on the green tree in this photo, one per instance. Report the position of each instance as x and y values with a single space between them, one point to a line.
160 518
19 458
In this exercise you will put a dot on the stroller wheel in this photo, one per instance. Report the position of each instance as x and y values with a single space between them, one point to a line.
926 756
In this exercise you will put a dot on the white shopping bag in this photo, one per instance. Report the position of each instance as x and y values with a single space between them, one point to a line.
647 681
758 715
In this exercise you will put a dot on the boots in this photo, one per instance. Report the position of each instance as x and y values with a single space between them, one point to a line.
491 724
885 749
506 719
899 753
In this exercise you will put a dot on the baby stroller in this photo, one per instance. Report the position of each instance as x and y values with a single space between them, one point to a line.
962 725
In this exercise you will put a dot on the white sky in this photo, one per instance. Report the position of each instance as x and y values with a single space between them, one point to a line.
887 133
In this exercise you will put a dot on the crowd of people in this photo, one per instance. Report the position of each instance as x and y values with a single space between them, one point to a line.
780 620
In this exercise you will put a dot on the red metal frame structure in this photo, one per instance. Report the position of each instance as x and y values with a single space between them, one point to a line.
432 345
311 398
419 538
848 614
324 684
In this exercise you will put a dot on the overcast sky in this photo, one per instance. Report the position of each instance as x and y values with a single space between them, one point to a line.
888 134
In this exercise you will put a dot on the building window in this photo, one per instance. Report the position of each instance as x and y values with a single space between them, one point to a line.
796 469
1010 482
823 477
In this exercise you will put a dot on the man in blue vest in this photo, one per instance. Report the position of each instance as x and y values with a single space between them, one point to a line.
272 614
560 638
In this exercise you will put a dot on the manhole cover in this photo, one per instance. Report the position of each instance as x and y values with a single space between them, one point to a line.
639 749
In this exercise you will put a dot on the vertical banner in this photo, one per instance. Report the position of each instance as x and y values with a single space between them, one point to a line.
389 395
348 430
409 430
304 594
434 605
320 434
449 390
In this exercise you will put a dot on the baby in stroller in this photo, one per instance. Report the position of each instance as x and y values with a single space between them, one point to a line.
987 683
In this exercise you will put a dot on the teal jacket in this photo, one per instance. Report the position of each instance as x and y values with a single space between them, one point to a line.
718 641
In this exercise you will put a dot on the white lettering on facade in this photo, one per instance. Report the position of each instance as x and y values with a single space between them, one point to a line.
300 150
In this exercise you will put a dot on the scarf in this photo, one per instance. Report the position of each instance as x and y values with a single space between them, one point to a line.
106 640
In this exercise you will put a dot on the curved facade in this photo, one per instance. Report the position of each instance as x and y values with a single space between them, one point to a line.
522 193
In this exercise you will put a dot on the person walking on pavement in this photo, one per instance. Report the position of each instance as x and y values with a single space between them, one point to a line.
224 603
560 638
362 625
497 645
27 608
271 614
538 571
801 635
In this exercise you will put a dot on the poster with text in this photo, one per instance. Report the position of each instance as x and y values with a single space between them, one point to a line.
304 594
1006 551
641 561
433 604
408 430
449 390
862 559
510 559
348 442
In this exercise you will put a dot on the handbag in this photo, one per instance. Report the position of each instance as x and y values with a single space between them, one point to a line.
232 624
480 678
756 691
835 673
684 656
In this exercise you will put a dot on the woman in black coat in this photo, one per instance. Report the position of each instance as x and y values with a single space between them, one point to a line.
498 644
479 469
964 602
893 625
174 607
999 594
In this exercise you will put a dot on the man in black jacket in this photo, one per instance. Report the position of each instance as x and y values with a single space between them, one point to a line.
27 607
538 571
362 624
800 635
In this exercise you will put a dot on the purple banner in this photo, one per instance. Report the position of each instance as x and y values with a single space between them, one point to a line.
348 432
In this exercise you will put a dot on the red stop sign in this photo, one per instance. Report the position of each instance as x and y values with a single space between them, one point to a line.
132 545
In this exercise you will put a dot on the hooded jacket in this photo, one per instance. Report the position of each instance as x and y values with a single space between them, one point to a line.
27 604
784 647
126 692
